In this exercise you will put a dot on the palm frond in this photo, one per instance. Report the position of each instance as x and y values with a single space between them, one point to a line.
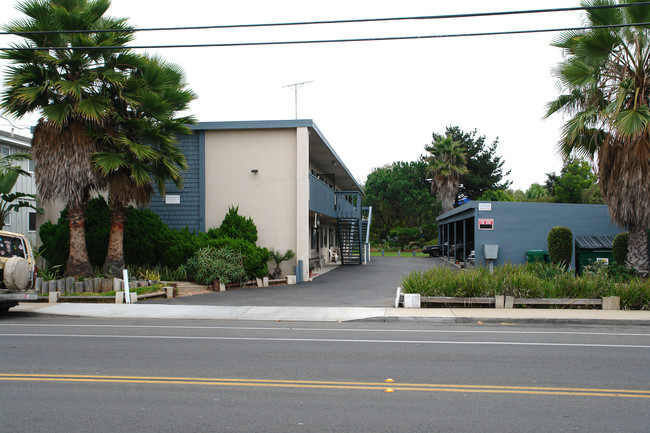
632 122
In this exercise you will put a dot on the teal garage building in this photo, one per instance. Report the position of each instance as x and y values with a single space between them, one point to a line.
509 230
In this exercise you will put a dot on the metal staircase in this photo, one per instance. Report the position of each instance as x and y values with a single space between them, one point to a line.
350 241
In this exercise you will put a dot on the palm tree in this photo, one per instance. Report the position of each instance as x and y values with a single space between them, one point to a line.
446 166
606 77
67 86
140 150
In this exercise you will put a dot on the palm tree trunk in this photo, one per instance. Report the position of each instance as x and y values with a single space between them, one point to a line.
446 192
114 264
78 263
637 252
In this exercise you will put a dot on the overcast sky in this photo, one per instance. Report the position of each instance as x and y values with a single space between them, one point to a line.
375 102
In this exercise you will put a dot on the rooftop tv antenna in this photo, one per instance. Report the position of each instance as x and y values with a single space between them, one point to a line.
295 87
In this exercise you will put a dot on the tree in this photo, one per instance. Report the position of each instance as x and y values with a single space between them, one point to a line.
484 168
496 195
537 191
68 87
399 196
140 151
575 182
9 174
607 92
446 166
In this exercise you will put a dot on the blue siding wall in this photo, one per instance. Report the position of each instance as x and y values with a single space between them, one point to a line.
190 211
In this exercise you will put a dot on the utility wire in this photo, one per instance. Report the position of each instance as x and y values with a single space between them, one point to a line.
361 20
326 41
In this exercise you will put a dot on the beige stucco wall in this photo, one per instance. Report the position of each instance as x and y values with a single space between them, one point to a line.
272 197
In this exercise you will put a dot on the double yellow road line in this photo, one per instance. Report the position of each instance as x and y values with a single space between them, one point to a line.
372 386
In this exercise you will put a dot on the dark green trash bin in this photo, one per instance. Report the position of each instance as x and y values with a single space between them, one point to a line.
593 249
533 256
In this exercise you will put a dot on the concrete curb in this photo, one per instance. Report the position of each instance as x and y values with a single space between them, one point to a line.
511 321
342 314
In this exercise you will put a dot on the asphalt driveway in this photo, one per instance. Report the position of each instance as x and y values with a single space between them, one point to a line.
371 285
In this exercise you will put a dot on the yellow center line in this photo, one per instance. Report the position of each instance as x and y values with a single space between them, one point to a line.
457 388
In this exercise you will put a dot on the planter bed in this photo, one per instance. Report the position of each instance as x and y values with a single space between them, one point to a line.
559 301
99 298
489 302
457 300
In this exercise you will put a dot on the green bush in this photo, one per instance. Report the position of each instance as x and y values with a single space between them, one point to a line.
531 281
404 236
560 245
237 227
98 228
217 264
144 233
55 238
177 246
149 242
619 248
255 258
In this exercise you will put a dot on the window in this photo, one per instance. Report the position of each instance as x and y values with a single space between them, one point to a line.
5 151
31 225
8 219
31 166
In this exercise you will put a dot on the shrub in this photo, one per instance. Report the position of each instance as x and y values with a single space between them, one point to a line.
404 235
217 264
530 281
178 246
55 238
255 258
560 245
237 227
144 233
98 228
278 258
619 248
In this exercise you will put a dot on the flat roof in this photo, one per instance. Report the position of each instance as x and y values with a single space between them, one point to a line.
16 140
282 124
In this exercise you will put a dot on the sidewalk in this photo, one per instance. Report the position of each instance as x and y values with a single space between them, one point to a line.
340 314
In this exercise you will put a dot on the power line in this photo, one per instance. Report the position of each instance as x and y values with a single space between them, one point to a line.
350 21
326 41
14 126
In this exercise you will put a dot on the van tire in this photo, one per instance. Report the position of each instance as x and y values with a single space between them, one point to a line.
16 274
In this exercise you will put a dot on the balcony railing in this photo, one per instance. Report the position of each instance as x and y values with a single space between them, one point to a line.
336 204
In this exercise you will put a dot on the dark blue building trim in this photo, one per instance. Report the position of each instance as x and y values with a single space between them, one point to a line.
188 213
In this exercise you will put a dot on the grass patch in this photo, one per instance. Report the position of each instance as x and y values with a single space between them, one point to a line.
394 254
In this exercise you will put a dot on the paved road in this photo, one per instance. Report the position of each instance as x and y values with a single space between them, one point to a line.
72 374
371 285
